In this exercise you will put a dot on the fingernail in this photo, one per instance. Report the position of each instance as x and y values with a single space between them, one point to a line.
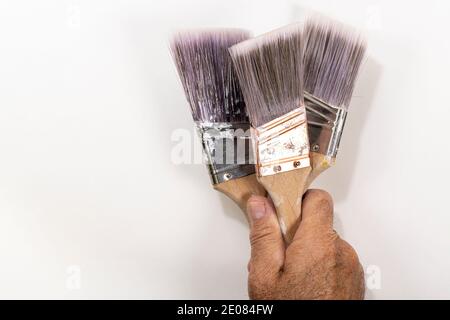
257 210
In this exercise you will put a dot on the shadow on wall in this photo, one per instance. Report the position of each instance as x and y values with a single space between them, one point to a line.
170 97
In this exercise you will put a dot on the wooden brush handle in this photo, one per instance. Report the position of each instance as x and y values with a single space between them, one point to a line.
319 163
286 190
241 189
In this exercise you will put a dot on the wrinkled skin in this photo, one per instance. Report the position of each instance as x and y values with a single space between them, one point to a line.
318 264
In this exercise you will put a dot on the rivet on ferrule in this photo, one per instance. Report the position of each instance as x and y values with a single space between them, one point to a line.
325 125
228 154
282 145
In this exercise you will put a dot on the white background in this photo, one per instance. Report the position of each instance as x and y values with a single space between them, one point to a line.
92 206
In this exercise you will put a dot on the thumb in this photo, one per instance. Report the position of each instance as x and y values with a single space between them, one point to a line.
267 245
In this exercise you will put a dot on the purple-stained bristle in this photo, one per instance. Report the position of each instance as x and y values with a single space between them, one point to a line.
207 74
270 72
333 55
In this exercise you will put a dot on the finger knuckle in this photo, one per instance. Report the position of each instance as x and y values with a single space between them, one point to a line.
260 234
347 257
351 256
255 201
320 195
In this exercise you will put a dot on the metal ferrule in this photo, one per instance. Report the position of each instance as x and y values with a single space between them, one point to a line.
227 150
325 125
282 144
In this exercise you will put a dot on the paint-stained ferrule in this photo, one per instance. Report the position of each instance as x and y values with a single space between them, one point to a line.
281 145
227 150
325 126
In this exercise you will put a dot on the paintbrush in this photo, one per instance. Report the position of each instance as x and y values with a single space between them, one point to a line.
333 55
270 72
218 108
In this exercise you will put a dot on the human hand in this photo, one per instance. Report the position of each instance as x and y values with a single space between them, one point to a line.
318 264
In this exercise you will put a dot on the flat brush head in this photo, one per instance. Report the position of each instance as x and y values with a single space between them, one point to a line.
333 55
205 68
270 72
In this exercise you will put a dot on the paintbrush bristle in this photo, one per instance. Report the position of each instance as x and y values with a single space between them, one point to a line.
333 55
270 73
206 71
